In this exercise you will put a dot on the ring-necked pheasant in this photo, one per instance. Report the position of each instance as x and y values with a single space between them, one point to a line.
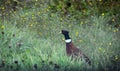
72 50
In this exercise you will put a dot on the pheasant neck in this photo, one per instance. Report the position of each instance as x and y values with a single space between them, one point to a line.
66 36
68 40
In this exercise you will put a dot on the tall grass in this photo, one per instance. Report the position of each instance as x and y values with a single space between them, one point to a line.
31 40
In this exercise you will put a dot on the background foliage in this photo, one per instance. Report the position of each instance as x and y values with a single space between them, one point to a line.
30 34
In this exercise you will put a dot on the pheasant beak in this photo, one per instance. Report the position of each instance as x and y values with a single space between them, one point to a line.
60 32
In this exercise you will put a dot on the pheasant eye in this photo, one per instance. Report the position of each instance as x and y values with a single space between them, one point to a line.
64 31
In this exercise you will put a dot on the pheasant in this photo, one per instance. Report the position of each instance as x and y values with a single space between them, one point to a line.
72 50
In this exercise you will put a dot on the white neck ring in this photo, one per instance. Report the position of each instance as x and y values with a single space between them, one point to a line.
68 40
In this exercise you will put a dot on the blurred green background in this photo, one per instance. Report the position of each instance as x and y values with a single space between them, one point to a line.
30 37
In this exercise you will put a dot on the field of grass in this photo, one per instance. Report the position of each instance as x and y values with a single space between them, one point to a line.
30 40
